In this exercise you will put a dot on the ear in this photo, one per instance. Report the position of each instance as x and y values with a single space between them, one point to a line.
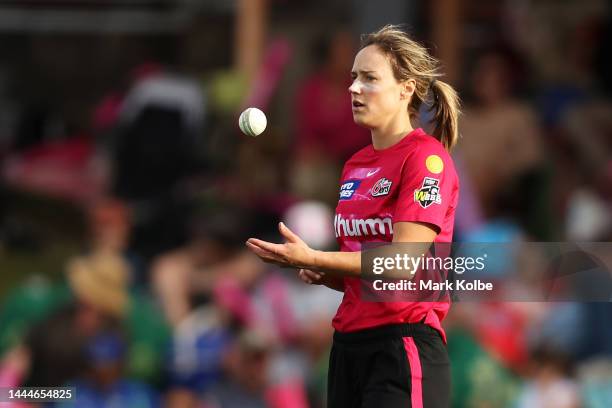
408 88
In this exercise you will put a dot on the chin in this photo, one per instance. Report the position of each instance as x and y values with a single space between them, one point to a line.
361 121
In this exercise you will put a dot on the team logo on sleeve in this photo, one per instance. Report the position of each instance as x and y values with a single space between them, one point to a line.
429 193
348 188
381 187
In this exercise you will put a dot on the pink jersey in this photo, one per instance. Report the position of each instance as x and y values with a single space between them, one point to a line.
413 180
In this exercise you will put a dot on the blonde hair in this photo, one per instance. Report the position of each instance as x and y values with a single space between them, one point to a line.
411 60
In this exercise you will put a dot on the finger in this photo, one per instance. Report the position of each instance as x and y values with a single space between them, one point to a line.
276 249
263 254
313 275
303 277
306 278
257 249
288 234
269 257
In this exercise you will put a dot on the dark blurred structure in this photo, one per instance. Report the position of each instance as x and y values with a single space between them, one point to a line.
155 150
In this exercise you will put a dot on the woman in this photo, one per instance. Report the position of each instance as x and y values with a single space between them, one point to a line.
387 354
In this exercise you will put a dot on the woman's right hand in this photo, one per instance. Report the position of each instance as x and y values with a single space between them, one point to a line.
311 277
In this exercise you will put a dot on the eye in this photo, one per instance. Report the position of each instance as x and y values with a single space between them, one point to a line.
353 76
370 78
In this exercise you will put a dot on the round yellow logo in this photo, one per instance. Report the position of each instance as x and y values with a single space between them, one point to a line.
434 164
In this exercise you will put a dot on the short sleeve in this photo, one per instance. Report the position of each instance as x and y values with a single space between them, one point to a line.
427 186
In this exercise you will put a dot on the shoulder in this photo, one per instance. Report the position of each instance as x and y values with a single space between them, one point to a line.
423 147
427 157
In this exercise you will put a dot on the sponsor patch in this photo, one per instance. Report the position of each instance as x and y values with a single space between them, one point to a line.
429 193
434 164
381 187
348 188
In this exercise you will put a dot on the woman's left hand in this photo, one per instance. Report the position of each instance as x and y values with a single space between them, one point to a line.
294 253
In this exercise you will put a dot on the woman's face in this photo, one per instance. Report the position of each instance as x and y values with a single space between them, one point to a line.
377 97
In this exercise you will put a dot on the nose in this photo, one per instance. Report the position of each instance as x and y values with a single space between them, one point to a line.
355 87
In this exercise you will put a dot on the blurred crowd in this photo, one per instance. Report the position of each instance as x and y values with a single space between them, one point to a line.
124 270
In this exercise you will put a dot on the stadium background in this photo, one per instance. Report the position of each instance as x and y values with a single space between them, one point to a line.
127 191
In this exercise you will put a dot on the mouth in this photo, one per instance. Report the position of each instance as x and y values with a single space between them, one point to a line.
357 105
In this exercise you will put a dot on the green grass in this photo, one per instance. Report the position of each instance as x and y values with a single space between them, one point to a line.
17 267
54 232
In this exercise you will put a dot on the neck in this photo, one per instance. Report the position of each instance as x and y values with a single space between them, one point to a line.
387 136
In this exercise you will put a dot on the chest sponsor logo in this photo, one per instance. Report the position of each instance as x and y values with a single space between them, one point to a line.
348 188
429 193
381 188
359 227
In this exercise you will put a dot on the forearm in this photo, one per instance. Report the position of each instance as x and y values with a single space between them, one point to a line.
337 264
348 264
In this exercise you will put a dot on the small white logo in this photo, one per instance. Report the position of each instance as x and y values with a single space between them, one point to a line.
372 172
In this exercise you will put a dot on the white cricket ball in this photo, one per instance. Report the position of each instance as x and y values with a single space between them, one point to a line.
252 122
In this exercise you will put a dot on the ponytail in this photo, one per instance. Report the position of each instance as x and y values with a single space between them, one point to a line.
445 108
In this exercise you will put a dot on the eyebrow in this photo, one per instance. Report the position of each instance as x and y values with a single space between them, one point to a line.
362 72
